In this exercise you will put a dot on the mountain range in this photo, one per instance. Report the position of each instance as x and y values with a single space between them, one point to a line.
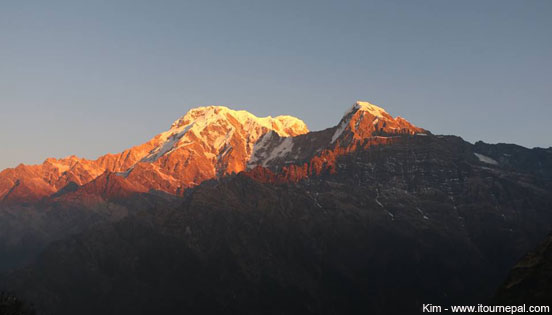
230 213
206 143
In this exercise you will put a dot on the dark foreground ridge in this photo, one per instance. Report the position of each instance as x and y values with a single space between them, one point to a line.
530 281
12 305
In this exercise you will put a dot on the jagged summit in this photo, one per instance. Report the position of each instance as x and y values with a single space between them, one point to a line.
368 107
218 129
364 120
284 125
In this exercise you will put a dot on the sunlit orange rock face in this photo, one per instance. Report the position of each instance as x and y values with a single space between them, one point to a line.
365 125
206 143
366 120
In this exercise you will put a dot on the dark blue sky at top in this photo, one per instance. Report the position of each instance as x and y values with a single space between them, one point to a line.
91 77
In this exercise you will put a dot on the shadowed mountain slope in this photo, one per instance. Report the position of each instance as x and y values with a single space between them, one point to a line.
420 219
530 281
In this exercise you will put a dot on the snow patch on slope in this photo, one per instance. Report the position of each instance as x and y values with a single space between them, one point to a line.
259 150
339 130
266 150
171 138
61 167
486 159
281 150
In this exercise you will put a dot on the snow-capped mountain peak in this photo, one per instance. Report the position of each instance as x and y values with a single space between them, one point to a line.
370 108
209 142
215 127
364 120
208 115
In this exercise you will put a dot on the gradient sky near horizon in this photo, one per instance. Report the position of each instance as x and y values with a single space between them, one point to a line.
92 77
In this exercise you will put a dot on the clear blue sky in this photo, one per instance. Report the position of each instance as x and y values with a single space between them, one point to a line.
91 77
